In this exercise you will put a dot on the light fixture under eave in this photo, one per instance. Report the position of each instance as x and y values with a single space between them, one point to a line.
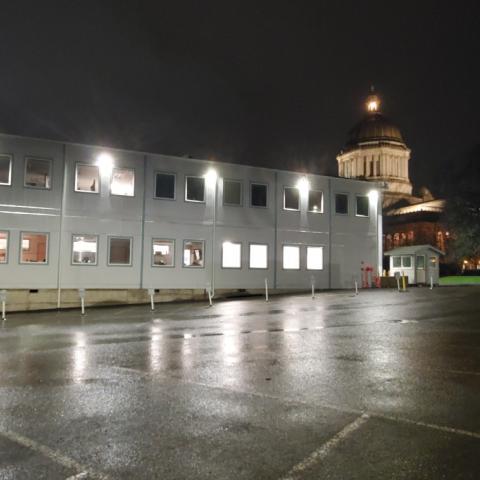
211 177
303 185
373 196
105 162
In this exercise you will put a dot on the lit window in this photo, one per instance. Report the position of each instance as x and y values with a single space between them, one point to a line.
406 262
3 247
165 186
291 198
314 258
38 172
258 195
258 256
341 204
193 253
34 248
87 178
195 189
291 257
84 249
421 262
5 169
315 201
123 182
362 206
119 251
397 262
231 255
163 253
232 192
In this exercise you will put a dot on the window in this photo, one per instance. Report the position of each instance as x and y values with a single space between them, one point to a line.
232 192
258 256
231 255
314 258
87 178
315 201
119 251
291 198
84 249
397 262
123 182
193 253
362 206
421 262
258 195
291 257
5 170
341 204
163 253
38 172
34 248
195 189
406 262
3 247
165 186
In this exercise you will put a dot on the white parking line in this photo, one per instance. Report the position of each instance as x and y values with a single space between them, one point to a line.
53 455
318 455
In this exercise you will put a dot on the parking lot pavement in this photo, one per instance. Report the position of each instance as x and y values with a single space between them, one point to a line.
379 385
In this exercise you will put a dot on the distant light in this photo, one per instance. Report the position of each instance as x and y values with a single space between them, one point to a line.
373 196
211 177
105 162
303 185
372 106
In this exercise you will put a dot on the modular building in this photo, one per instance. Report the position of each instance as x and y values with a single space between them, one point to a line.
117 222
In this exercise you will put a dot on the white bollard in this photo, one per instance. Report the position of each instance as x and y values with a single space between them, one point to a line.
3 298
81 294
266 289
356 287
210 296
398 282
431 283
151 292
313 287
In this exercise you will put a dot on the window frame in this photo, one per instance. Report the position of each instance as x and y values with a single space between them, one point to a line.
241 256
232 180
77 164
322 247
47 248
204 189
299 257
409 257
348 204
308 201
44 159
250 255
424 262
299 200
169 240
111 180
7 247
172 174
183 252
266 196
79 264
10 169
393 261
357 196
121 237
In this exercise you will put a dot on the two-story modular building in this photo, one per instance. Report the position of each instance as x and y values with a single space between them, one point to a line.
118 222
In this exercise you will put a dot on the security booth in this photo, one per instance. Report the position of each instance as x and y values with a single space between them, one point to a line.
420 263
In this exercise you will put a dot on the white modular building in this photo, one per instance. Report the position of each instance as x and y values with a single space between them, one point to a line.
117 223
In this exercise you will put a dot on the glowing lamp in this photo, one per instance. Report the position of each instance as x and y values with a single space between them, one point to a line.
105 162
303 185
373 196
211 177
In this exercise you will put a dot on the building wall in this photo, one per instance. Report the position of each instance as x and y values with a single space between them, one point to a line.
62 212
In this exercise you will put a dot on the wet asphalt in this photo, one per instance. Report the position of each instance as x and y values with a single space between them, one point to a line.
383 385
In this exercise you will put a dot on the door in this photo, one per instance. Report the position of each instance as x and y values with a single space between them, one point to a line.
420 267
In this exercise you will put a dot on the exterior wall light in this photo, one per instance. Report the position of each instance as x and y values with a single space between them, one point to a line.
211 177
105 162
303 186
373 196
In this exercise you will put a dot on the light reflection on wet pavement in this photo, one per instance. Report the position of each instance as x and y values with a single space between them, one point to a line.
246 389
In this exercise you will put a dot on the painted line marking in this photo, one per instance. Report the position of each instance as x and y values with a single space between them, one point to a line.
54 455
318 455
79 476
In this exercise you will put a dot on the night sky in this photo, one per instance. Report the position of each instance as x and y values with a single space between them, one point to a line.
276 84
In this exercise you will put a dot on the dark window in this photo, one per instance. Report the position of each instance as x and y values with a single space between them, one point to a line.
5 169
362 206
291 198
232 192
315 201
119 251
165 185
195 189
37 172
341 203
258 195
